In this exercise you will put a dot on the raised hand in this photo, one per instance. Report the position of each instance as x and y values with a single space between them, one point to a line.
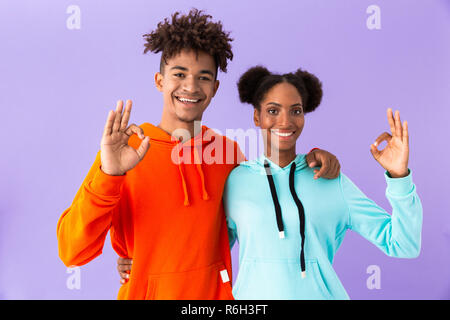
117 157
394 157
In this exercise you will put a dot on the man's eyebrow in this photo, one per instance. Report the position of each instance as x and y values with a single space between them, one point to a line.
208 72
179 68
186 69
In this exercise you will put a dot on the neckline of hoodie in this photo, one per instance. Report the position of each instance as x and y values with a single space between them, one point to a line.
164 139
258 164
299 159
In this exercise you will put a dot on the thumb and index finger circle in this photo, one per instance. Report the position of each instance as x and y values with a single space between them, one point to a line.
145 143
134 129
382 137
374 147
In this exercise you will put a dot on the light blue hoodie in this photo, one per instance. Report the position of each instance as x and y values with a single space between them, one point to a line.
270 266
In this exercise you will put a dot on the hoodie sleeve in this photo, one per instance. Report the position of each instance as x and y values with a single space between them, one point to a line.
227 204
397 235
232 232
231 225
82 228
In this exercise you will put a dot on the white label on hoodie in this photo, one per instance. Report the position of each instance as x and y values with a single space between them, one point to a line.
224 275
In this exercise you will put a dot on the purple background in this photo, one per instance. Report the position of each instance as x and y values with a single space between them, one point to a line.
57 86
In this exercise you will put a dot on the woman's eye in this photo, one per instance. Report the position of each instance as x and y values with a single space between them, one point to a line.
298 111
272 111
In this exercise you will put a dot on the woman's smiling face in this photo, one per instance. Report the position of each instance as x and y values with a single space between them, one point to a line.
281 117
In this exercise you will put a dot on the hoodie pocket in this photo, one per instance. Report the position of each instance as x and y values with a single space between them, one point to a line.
319 280
280 279
208 283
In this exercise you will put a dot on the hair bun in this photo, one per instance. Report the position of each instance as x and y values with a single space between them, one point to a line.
314 88
249 82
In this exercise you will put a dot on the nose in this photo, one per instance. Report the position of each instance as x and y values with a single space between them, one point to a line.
190 85
284 120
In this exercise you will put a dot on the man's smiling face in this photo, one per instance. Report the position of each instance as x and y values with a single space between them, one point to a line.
188 83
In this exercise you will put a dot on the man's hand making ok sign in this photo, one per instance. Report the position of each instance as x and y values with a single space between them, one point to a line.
117 157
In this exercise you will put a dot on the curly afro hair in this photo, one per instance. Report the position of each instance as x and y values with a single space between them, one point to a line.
192 31
257 81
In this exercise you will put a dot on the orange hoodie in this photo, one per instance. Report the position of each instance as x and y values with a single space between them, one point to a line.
165 214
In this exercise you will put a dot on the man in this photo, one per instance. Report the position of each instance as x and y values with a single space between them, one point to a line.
163 209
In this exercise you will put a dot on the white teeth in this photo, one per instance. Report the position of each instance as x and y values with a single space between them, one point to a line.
188 100
281 134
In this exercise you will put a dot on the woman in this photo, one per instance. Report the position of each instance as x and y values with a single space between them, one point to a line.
288 225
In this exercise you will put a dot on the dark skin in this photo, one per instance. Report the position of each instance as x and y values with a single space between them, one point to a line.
193 77
281 119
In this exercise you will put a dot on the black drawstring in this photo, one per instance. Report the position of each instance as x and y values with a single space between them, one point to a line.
273 191
301 213
299 205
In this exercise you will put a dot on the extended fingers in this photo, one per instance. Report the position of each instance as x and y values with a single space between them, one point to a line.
395 123
126 116
390 117
398 124
109 123
405 133
118 118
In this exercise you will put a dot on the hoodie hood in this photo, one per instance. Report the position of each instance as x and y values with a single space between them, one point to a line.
195 145
159 136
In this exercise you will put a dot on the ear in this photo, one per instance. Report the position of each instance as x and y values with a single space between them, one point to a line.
158 81
256 115
216 86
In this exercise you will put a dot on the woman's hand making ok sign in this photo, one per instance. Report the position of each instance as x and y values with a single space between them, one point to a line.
394 157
